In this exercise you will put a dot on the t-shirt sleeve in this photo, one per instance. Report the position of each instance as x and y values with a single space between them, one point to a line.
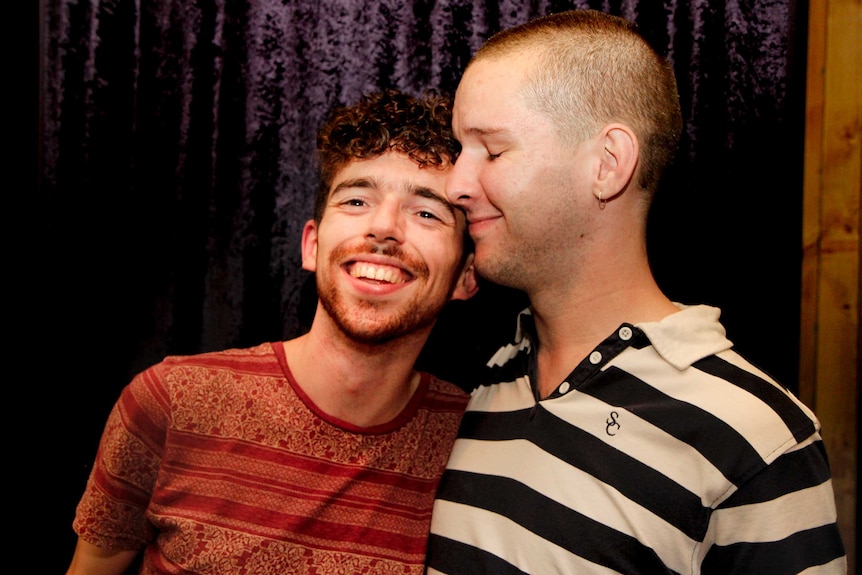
112 512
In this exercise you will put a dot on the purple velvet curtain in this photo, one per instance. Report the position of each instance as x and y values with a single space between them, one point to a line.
177 148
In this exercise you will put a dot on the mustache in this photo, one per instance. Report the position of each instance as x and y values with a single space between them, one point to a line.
345 251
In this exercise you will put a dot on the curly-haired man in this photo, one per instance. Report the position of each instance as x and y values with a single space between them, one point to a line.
320 454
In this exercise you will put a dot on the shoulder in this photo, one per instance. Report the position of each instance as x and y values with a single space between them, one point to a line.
258 359
441 393
261 353
216 390
178 376
762 401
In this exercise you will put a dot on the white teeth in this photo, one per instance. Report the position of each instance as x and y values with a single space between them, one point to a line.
382 274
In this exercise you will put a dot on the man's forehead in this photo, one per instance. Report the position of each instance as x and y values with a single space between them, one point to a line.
487 110
513 66
391 169
490 83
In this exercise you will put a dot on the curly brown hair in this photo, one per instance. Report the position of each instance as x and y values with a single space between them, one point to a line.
420 127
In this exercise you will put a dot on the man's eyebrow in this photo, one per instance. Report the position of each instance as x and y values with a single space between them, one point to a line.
425 192
352 183
477 131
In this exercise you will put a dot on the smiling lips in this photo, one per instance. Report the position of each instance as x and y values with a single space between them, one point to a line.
379 273
476 224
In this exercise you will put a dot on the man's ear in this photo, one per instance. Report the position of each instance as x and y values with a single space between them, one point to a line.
618 162
309 246
467 283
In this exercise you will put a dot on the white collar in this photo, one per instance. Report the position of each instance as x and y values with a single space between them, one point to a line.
681 338
688 335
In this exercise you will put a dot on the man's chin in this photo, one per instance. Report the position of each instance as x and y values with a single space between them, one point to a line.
374 323
375 336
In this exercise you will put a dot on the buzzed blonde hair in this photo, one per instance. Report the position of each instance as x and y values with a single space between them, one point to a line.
589 69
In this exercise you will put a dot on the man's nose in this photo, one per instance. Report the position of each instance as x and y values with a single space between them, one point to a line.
461 185
387 222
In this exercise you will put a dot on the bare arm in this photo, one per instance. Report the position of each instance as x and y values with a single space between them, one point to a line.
91 560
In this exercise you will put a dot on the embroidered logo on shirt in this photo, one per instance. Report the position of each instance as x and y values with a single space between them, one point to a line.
612 424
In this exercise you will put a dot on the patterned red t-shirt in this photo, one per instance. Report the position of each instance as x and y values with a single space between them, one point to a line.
218 464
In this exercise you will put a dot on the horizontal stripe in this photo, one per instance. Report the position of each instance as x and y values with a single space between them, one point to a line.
548 520
354 525
795 418
771 521
491 537
710 414
794 471
784 557
635 480
449 556
553 479
638 438
233 455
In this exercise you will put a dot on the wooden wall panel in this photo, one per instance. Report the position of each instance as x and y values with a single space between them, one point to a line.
830 313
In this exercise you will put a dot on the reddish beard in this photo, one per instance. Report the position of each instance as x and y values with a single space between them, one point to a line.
373 322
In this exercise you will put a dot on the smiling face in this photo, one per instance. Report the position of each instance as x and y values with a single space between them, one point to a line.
520 185
388 250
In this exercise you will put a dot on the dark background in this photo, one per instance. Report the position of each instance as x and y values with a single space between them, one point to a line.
176 165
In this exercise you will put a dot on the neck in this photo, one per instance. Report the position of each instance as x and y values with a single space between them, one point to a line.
362 384
571 320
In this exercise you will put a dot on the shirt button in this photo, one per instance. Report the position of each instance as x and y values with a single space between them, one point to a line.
564 387
595 357
625 333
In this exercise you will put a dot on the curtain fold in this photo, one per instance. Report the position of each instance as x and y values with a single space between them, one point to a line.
179 140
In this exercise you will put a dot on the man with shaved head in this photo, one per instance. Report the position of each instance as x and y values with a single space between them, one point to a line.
618 432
